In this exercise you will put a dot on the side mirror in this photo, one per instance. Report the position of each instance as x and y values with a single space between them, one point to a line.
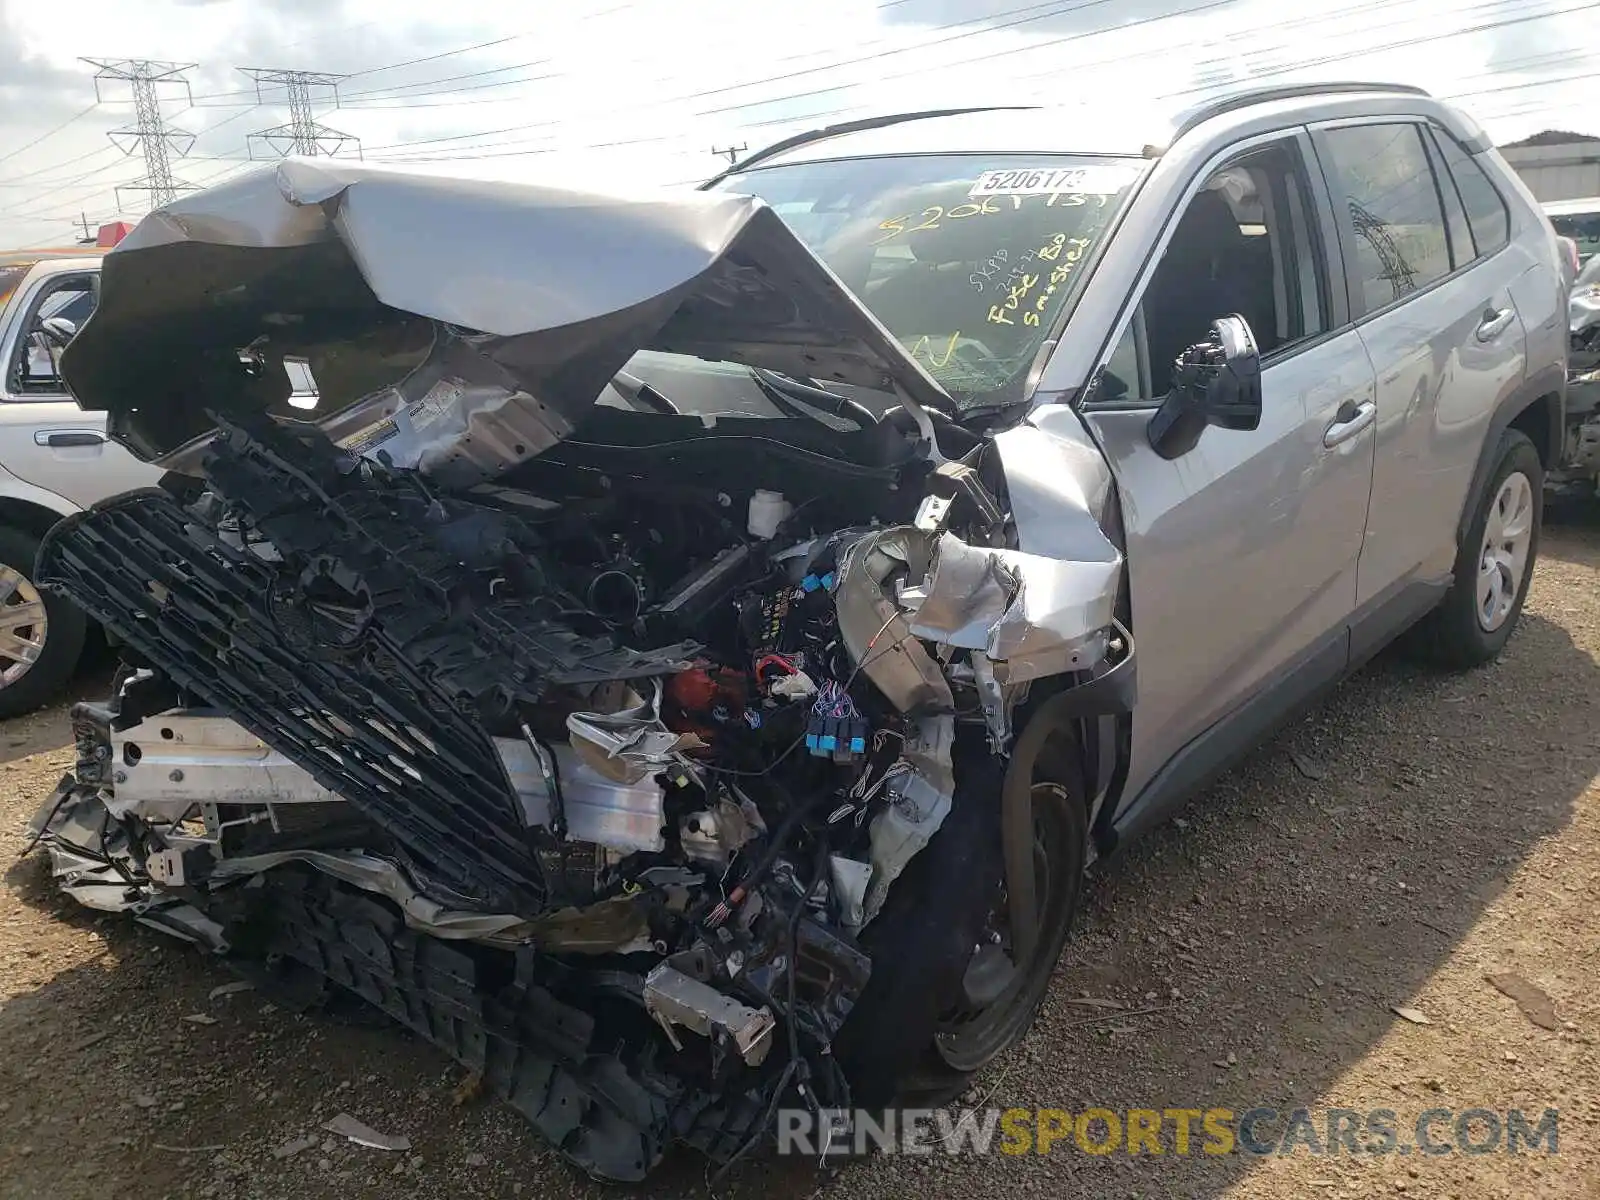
1215 382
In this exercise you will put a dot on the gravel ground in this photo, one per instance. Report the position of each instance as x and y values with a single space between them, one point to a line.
1416 834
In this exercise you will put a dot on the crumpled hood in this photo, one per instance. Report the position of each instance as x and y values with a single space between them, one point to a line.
364 271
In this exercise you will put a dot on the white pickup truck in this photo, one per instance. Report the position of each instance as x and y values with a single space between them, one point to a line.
54 460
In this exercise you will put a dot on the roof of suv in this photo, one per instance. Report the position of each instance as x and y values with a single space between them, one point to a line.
1128 127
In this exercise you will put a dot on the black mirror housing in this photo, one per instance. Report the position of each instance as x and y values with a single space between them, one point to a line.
1215 382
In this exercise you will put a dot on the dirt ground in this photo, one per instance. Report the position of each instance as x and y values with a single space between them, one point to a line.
1417 834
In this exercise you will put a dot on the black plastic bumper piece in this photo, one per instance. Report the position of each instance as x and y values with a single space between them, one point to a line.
609 1110
370 726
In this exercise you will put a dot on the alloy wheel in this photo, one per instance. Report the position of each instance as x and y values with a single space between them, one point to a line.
980 1027
23 625
1503 559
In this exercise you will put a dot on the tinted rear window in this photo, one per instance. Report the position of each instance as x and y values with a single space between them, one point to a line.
1383 177
1486 211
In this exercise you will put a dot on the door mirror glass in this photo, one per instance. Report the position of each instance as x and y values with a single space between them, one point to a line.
1214 382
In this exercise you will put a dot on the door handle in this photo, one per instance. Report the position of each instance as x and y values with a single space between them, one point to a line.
1351 420
1494 323
57 438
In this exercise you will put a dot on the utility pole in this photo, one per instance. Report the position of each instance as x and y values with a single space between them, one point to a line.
149 132
731 153
304 134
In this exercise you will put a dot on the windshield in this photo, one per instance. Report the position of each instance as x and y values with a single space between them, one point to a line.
1583 228
966 259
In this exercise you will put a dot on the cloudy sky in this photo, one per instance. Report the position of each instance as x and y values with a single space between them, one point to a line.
608 91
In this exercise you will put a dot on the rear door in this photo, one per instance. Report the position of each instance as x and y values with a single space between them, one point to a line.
1430 290
45 438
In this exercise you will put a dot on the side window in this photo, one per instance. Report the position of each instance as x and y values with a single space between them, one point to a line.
1245 244
1486 210
1382 176
1462 250
54 317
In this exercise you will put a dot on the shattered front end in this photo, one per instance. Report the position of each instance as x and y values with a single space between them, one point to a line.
602 742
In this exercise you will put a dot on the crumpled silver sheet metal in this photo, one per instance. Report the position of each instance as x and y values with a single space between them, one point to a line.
631 742
336 262
384 878
875 630
919 801
1031 616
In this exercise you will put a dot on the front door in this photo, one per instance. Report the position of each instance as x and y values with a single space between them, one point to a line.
45 438
1243 552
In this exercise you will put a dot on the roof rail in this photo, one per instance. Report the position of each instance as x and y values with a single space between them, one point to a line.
1207 109
828 131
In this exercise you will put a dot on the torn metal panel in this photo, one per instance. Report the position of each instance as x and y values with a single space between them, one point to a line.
384 878
876 632
966 593
615 925
674 998
850 878
919 800
1031 616
460 417
630 742
170 763
84 849
324 262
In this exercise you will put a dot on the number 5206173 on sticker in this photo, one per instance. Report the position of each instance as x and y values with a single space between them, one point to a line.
1093 181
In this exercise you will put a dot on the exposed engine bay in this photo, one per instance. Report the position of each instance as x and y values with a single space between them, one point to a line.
608 765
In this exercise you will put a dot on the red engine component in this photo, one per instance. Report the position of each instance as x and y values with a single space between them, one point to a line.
702 698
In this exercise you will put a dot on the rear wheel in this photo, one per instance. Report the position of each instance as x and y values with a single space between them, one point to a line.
41 636
1493 565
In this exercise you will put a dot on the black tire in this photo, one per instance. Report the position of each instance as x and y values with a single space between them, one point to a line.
65 630
1453 635
890 1047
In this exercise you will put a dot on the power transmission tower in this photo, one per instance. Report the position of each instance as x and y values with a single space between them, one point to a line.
730 152
304 134
149 132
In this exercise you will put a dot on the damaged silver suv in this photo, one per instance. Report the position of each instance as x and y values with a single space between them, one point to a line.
678 653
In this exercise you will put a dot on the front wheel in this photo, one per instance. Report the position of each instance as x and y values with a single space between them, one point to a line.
1000 996
945 996
1493 565
41 637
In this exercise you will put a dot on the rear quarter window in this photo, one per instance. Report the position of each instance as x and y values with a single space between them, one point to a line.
1486 210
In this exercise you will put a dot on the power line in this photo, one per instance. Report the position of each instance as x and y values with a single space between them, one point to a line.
474 152
9 155
1055 10
1052 8
60 187
987 24
57 166
1402 45
149 133
412 62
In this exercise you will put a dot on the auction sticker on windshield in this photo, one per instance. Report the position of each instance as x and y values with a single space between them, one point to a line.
1091 181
